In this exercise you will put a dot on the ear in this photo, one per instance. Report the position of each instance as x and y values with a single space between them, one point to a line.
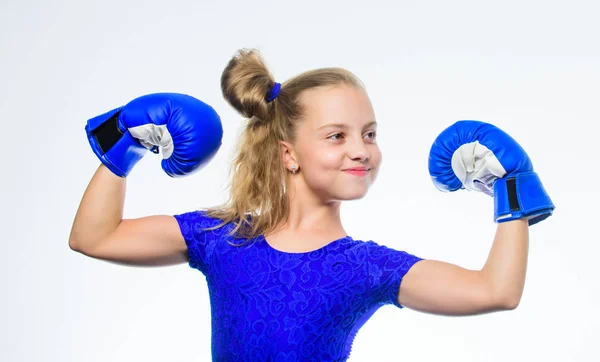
288 155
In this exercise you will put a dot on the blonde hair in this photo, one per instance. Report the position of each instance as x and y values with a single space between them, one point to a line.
258 199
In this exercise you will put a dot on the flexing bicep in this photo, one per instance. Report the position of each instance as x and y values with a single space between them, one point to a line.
147 241
442 288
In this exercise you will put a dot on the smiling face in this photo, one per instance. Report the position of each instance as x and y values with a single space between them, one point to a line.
336 133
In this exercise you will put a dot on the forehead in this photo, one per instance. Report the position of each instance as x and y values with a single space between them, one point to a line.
340 104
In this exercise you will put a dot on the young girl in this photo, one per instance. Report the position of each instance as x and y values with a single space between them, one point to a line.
286 282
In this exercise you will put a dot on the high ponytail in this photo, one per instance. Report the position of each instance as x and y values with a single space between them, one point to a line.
245 83
258 200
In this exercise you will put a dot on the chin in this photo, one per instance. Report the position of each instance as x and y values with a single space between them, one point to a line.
352 195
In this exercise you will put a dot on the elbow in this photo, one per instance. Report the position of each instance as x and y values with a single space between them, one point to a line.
77 245
504 300
73 245
504 297
510 302
73 242
78 241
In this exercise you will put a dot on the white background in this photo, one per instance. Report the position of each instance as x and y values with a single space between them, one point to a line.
530 67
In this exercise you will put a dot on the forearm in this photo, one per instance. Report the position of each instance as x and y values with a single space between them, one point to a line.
100 210
506 266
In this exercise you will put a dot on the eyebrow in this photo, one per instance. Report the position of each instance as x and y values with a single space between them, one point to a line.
342 125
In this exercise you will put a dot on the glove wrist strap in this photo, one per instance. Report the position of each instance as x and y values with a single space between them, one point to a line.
107 133
113 144
521 196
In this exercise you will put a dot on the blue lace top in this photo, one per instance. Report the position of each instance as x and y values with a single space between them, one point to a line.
270 305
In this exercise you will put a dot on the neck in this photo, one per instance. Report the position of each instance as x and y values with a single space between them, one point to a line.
310 214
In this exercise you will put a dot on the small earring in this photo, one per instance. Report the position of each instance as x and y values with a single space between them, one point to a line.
294 169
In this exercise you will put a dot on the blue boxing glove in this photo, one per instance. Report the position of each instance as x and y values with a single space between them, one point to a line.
478 156
186 130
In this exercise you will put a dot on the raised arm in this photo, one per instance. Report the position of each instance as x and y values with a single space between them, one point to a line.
480 157
189 134
442 288
99 230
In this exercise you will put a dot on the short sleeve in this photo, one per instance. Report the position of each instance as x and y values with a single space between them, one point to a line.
200 242
387 267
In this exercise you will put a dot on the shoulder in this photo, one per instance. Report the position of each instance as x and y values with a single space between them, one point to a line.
202 234
382 254
358 244
199 217
354 249
199 223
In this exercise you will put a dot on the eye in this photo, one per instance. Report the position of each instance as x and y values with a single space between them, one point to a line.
333 135
336 135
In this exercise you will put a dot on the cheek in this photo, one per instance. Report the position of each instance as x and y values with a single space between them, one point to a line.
332 160
376 161
324 159
376 155
379 162
323 168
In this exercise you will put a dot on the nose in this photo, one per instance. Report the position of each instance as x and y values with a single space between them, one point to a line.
358 151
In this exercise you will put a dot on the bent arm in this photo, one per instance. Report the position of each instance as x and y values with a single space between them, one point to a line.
99 230
100 210
147 241
442 288
506 266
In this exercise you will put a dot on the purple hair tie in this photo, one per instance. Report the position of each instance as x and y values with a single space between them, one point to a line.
274 92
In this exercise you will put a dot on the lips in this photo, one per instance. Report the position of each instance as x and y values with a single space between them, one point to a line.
357 169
